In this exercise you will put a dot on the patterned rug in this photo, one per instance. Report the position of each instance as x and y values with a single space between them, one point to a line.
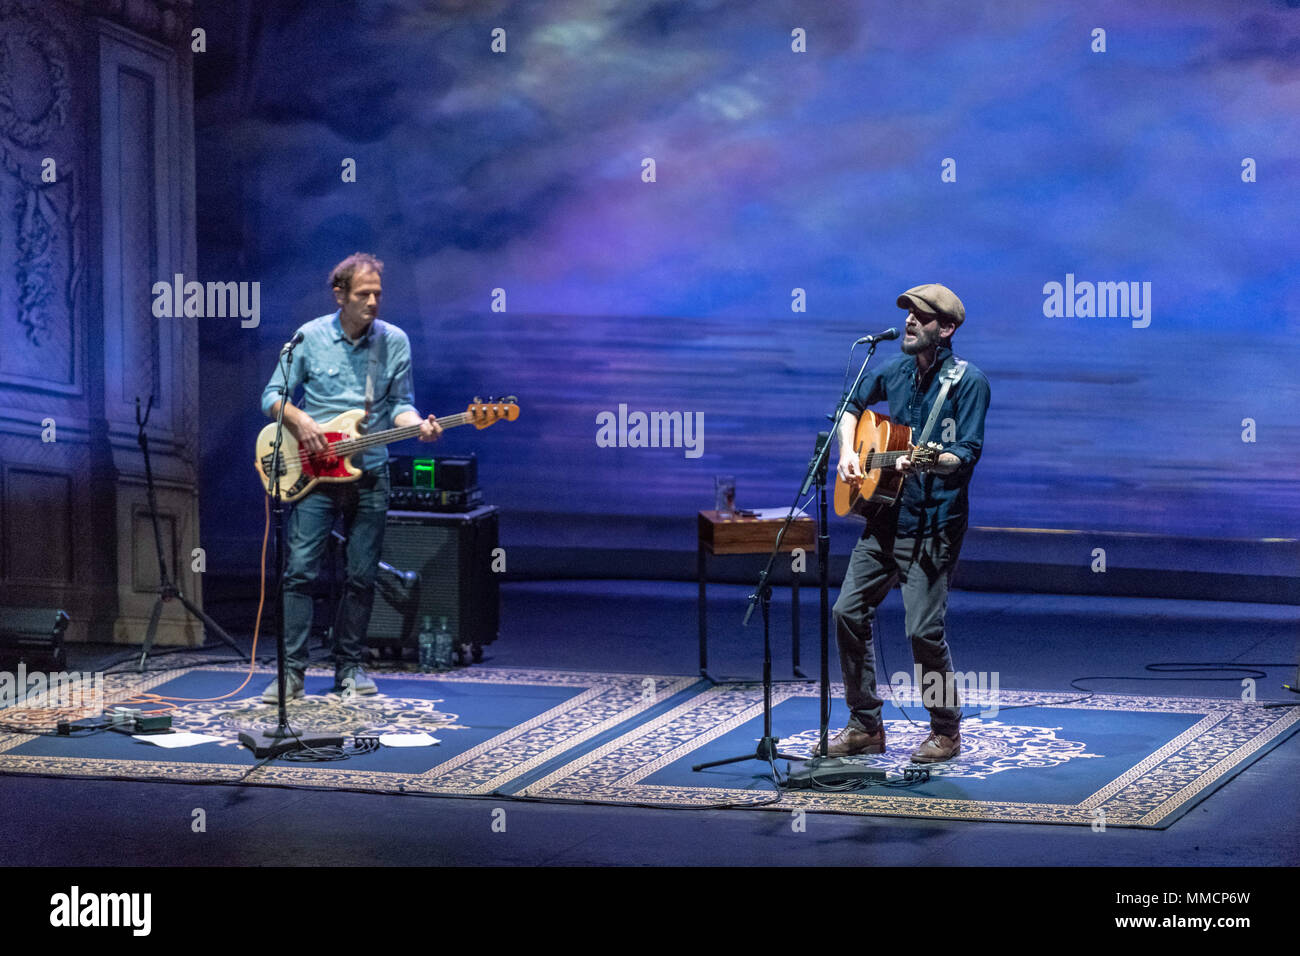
1108 760
1037 757
494 725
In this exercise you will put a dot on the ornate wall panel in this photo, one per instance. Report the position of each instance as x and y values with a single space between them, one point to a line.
40 200
147 187
96 204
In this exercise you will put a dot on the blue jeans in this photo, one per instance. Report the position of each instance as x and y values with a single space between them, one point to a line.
924 565
364 506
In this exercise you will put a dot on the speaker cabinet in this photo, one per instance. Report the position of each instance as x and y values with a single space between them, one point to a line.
452 554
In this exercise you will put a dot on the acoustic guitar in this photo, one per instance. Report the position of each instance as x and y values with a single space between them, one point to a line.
879 443
301 472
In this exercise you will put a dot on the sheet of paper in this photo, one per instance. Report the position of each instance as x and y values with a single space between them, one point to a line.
176 740
408 740
767 514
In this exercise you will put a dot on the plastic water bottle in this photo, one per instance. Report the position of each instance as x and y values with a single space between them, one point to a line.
442 647
426 643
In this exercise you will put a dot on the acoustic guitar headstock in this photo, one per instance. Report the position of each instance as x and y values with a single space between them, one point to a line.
926 456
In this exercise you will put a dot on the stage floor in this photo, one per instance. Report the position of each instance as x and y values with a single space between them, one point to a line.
546 716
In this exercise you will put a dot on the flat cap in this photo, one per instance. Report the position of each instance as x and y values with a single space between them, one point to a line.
934 299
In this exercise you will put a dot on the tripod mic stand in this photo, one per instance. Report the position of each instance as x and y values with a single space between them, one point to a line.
818 470
167 589
767 744
767 749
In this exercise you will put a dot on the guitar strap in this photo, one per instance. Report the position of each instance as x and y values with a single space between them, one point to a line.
374 368
951 376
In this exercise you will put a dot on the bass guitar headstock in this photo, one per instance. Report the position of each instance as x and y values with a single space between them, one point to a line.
482 414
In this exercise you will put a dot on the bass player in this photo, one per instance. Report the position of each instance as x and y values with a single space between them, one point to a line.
347 359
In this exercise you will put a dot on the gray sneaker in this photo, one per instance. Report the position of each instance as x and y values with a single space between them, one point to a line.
355 679
293 687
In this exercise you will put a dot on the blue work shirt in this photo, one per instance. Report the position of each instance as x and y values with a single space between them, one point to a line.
931 501
331 370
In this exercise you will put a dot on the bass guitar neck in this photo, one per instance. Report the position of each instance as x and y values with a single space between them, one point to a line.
299 472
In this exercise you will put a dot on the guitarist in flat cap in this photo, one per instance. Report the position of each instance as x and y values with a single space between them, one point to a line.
916 535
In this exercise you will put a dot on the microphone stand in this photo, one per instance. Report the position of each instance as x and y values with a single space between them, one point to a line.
272 743
404 599
167 589
817 467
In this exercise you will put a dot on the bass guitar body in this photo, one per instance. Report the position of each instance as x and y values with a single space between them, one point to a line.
878 442
300 473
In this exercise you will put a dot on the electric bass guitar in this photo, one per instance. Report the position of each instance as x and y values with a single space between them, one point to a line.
301 472
879 443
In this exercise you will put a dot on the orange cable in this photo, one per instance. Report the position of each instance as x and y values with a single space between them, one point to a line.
170 703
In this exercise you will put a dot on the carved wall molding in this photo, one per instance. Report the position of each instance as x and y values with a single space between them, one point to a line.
26 25
165 20
35 105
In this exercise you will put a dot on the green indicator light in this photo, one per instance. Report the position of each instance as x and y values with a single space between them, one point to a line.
422 472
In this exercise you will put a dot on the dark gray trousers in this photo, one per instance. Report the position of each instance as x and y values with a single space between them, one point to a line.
924 566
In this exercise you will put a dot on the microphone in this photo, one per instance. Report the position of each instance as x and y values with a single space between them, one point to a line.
408 578
884 336
292 343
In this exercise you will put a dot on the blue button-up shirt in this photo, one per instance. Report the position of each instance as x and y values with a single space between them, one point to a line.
331 370
931 501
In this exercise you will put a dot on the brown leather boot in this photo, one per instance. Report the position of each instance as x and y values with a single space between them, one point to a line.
937 747
851 742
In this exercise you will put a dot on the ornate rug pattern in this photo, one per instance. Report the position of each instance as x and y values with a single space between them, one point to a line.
1043 757
494 724
1027 757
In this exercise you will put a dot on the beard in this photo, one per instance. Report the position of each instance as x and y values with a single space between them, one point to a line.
925 340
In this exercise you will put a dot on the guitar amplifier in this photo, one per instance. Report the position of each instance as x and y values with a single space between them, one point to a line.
427 499
441 473
452 556
33 636
433 484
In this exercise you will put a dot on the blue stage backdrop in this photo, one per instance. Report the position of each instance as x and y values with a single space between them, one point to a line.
696 206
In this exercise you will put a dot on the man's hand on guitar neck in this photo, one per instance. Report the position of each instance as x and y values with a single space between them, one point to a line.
945 464
430 430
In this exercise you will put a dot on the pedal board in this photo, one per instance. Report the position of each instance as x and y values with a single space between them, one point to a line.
839 773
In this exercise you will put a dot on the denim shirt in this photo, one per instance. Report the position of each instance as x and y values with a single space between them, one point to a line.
931 501
331 370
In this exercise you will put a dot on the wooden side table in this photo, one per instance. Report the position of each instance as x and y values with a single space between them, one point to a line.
737 535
